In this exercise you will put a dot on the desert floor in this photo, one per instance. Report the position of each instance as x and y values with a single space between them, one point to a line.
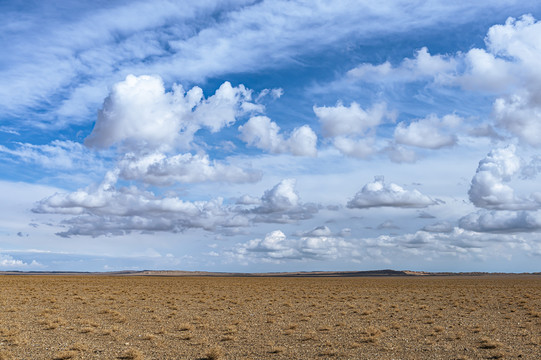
115 317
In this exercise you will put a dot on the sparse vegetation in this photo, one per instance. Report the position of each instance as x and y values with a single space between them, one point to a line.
114 317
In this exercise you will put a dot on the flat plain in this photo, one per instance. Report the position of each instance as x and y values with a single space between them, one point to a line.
171 317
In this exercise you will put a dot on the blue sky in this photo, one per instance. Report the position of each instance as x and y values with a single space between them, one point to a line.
270 135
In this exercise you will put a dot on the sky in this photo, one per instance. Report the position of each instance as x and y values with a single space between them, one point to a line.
259 136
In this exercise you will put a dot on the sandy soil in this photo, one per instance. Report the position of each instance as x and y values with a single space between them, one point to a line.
115 317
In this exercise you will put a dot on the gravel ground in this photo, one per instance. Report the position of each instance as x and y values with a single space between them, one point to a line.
114 317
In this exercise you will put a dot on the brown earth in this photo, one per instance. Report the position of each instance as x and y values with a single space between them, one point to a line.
165 317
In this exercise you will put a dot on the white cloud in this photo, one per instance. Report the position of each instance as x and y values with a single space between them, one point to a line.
427 132
488 187
106 199
8 262
9 130
422 67
276 247
107 209
281 197
352 129
88 49
507 68
451 243
261 132
502 221
282 204
160 169
510 67
378 194
342 120
141 115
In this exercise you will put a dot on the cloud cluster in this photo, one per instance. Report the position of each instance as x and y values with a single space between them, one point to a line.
109 209
277 247
511 65
507 68
380 194
261 132
149 125
454 243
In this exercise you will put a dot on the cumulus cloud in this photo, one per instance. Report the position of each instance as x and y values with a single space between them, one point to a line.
503 211
160 169
277 247
502 221
379 194
281 197
261 132
342 120
429 132
140 115
8 262
351 129
282 204
488 187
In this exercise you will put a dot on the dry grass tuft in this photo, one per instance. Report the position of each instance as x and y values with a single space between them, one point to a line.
132 354
64 355
277 350
216 353
185 327
487 343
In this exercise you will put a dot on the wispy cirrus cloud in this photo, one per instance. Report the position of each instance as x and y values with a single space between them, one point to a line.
89 49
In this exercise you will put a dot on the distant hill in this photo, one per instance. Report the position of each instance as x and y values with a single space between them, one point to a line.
370 273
